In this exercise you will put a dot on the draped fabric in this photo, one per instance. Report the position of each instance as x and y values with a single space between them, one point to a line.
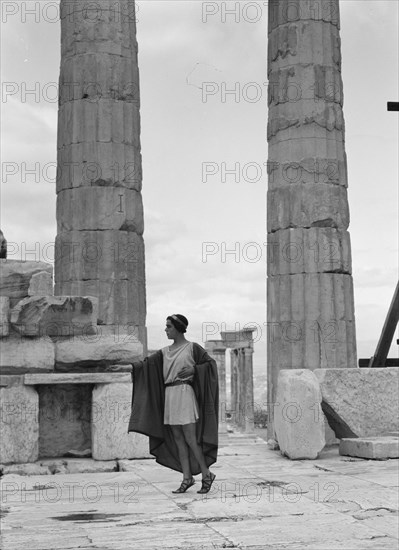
148 403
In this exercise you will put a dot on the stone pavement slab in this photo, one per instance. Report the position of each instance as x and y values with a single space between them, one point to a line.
259 500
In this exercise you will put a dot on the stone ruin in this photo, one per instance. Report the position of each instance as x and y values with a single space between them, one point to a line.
60 394
241 406
312 366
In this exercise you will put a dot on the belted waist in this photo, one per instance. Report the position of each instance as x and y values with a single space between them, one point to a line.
178 383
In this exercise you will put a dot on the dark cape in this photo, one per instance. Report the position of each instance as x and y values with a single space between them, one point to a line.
148 403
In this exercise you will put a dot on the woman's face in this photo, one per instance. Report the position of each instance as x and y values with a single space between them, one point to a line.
171 331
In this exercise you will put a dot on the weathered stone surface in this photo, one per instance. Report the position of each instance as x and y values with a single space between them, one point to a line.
27 469
307 205
79 378
19 426
11 380
120 208
290 44
104 255
367 400
64 418
16 275
99 350
121 302
41 284
55 315
78 466
114 32
311 321
3 245
4 316
307 194
115 76
299 11
378 448
20 355
111 407
98 164
313 250
298 418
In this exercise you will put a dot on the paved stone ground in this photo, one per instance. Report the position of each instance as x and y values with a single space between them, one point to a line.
259 500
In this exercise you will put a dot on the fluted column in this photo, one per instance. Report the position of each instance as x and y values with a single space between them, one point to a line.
310 305
99 244
234 385
249 390
241 389
220 358
217 351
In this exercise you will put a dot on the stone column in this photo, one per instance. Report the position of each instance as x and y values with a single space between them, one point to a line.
234 385
310 305
249 390
241 389
99 244
220 358
217 351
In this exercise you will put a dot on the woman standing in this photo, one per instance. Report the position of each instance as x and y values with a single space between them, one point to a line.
175 402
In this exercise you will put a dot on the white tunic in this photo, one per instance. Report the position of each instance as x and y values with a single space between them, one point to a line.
180 402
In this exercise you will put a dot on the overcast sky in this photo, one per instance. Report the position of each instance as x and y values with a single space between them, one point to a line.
182 129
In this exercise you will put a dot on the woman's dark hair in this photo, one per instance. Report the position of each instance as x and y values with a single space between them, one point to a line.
179 322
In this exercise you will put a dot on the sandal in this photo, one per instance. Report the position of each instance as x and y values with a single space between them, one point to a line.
185 484
207 483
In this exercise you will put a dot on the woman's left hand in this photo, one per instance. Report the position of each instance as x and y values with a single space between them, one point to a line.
185 372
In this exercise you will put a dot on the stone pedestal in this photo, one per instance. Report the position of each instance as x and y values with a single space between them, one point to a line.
111 407
19 424
298 419
310 306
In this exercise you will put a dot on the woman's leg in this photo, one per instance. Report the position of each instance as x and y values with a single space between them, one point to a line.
182 450
189 431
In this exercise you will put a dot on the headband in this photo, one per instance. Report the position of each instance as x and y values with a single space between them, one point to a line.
182 323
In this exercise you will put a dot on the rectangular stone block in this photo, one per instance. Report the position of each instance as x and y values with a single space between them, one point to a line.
111 407
377 448
19 424
77 378
101 350
16 275
367 400
21 355
298 419
55 315
4 316
41 284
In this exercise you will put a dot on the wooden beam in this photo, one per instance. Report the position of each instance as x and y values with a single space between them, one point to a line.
388 331
390 362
